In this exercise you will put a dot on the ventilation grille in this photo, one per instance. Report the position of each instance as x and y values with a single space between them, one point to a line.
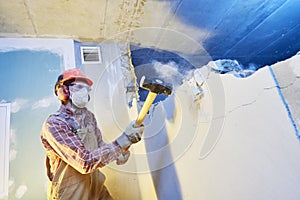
90 55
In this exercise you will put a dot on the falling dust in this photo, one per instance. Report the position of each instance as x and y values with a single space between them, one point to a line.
172 75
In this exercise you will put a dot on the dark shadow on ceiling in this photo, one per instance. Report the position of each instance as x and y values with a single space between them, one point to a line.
141 56
146 56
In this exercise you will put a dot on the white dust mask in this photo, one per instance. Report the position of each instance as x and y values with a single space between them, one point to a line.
80 98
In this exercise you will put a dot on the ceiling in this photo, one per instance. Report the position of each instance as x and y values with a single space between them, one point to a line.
251 31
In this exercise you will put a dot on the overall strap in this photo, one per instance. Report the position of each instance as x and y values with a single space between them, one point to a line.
70 122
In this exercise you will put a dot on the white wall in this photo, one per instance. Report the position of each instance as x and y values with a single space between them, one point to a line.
257 153
238 143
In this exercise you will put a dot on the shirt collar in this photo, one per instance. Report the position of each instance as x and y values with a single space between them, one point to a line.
70 109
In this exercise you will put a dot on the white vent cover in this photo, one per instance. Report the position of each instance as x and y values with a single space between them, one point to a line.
90 55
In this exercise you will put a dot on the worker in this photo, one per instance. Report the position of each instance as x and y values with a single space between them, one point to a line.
75 150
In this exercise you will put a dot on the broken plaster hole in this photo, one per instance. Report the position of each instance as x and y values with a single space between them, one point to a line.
166 76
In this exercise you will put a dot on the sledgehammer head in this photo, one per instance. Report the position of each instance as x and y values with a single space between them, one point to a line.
156 86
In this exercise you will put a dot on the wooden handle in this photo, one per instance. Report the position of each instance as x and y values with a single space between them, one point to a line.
149 100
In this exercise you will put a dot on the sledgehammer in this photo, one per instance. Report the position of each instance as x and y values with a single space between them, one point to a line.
155 87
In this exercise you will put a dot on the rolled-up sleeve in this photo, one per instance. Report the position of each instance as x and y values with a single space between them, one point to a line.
68 146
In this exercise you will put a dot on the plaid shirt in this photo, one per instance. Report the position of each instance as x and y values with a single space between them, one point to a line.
61 142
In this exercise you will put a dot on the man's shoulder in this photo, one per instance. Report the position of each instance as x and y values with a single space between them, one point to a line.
89 111
90 114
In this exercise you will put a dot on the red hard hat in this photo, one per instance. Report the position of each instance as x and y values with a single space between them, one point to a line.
74 74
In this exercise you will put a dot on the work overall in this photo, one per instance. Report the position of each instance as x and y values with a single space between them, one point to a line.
69 184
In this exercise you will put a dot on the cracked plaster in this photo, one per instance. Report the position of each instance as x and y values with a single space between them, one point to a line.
287 73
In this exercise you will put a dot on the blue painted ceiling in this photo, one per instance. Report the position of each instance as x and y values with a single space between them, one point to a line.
259 32
250 31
